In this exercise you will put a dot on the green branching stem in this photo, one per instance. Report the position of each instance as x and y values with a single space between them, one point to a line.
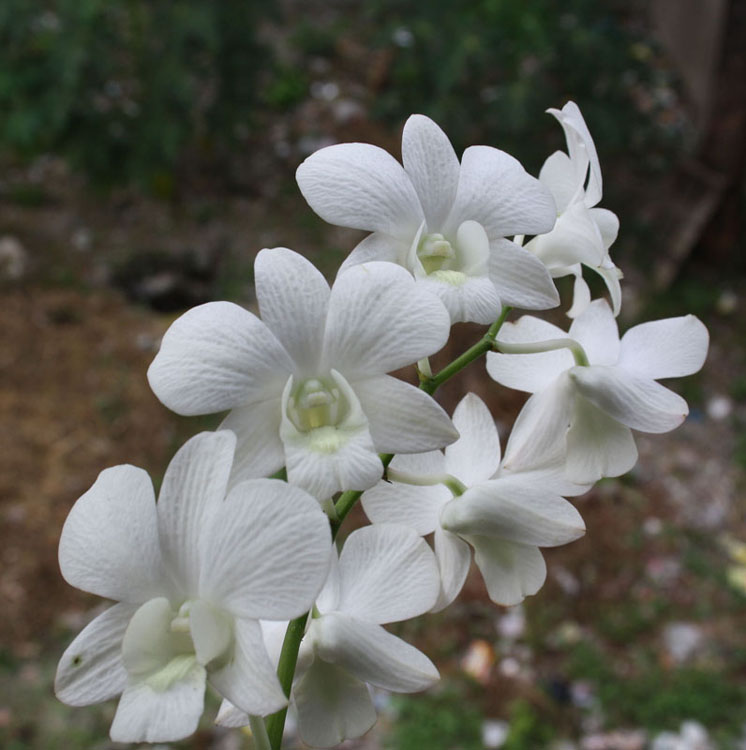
484 345
296 628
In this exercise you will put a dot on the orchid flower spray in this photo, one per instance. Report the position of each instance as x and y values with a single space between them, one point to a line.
249 584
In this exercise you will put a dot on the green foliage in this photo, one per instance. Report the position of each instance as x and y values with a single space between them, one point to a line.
659 699
437 721
483 67
124 89
527 728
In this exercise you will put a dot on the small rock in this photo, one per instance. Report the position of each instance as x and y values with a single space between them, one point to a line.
719 408
727 302
13 259
620 739
494 732
512 624
478 660
682 640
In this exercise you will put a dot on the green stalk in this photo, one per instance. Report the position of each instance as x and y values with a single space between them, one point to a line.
485 344
259 733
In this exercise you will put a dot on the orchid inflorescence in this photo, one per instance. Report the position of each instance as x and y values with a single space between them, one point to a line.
233 577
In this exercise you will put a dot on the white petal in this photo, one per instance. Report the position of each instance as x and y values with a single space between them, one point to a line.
582 149
293 299
496 191
552 478
402 418
230 716
331 458
380 320
581 293
454 559
91 669
597 445
595 329
193 488
256 568
558 174
468 299
432 165
538 435
332 706
429 464
409 505
611 276
109 543
529 372
510 571
668 348
635 401
148 715
607 223
259 451
373 655
475 456
328 598
211 630
375 247
215 357
520 278
473 248
574 239
148 645
510 508
387 573
360 186
249 681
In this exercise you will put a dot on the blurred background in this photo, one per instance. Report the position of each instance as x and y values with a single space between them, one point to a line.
148 151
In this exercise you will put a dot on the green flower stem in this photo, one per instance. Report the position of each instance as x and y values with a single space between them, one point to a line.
285 673
259 733
537 347
345 503
484 345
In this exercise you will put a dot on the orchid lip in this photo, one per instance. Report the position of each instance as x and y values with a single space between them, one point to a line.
315 403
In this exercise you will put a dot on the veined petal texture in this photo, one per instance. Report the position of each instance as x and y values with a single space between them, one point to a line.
360 186
372 654
475 456
380 320
387 573
432 166
109 543
293 301
218 356
262 570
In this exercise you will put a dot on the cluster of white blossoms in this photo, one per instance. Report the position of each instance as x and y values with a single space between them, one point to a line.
233 576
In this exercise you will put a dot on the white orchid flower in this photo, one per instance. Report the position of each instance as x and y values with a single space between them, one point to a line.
384 574
306 384
445 222
193 574
584 413
467 498
583 233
